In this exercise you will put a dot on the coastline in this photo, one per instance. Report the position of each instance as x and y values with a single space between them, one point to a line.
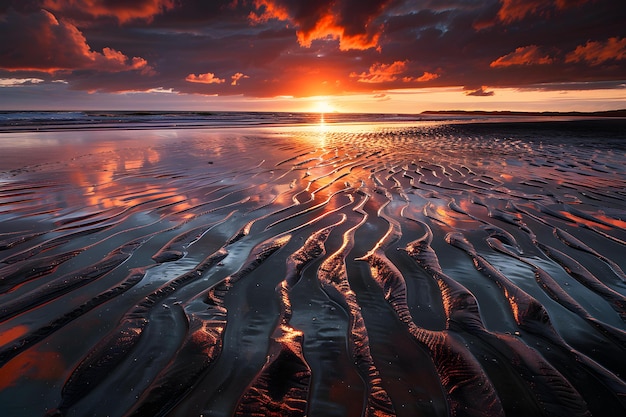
34 121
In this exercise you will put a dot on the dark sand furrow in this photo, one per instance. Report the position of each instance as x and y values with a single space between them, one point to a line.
616 300
15 274
110 221
10 240
51 243
605 235
281 389
531 316
282 386
571 241
158 343
334 279
16 202
175 248
190 214
460 374
199 350
109 353
10 351
611 222
235 195
312 248
116 347
511 219
556 292
57 287
216 298
303 211
81 217
543 389
29 255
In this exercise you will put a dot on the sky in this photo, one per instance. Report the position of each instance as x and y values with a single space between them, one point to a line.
376 56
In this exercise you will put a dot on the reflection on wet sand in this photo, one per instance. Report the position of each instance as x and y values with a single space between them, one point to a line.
341 269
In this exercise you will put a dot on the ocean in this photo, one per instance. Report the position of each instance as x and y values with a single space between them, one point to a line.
275 264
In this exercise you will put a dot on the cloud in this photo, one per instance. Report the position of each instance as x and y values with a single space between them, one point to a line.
480 92
596 53
39 42
381 73
514 10
162 90
381 97
352 22
18 82
206 78
309 48
236 77
123 11
524 55
426 76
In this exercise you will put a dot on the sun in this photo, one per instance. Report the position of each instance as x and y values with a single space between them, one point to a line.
323 106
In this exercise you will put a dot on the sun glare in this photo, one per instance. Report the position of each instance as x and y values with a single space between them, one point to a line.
323 107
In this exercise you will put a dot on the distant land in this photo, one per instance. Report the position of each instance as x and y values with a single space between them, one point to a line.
606 113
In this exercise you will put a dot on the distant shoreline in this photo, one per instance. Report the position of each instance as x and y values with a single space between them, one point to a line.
140 113
605 113
47 121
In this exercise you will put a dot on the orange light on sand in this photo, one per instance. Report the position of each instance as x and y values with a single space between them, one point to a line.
32 364
11 334
615 222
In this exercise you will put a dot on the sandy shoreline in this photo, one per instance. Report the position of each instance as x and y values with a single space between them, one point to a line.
353 269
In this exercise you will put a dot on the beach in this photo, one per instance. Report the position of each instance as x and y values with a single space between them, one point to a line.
313 265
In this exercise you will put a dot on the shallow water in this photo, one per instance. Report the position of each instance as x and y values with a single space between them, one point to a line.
409 269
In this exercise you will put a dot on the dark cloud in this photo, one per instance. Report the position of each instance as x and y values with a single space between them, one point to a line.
351 22
47 44
264 48
512 10
123 11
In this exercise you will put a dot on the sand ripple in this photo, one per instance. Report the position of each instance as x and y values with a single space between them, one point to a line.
335 270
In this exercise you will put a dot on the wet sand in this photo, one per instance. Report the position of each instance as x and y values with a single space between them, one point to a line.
409 269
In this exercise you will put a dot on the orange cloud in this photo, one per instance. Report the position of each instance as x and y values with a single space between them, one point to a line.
426 76
266 10
207 78
348 21
381 73
123 11
564 4
524 55
327 27
512 10
50 45
480 92
597 53
236 77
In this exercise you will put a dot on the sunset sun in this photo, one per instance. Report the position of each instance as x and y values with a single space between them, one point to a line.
323 106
